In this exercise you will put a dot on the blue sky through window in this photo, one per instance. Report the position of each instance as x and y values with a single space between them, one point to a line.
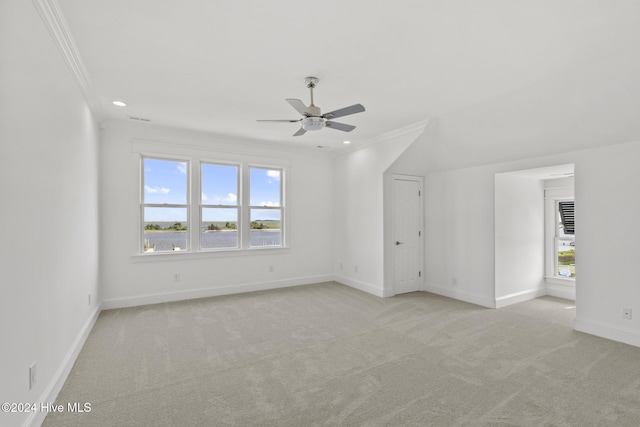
265 187
165 182
219 184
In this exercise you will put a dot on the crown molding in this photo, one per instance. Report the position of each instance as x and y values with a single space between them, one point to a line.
405 130
413 128
54 21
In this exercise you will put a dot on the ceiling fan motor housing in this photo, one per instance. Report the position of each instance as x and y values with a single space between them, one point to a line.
312 117
312 123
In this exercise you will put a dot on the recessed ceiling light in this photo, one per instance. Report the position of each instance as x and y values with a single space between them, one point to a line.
346 142
119 103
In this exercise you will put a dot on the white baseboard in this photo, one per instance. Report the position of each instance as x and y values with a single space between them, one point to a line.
461 295
561 291
211 292
518 297
50 393
362 286
608 331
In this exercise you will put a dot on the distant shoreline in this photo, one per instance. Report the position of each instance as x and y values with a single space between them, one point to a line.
209 231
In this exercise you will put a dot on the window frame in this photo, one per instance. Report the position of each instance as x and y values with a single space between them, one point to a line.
558 238
553 196
194 205
237 206
280 207
144 205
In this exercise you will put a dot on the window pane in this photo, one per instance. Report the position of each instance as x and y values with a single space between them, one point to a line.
567 217
165 229
266 227
566 258
219 184
264 187
165 181
219 228
561 231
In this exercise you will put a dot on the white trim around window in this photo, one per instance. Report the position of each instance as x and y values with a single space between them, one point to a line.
552 238
210 216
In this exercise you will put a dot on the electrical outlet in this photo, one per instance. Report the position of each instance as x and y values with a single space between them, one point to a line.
32 375
355 268
176 277
626 313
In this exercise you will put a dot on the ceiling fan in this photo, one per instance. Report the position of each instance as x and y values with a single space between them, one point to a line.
313 119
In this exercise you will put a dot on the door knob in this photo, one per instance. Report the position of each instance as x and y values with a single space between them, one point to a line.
399 243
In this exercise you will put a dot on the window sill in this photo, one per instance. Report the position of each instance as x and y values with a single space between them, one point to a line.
566 281
184 255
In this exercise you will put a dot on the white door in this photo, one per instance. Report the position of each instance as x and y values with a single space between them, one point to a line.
407 214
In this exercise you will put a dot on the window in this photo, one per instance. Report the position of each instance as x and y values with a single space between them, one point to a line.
265 206
219 206
560 231
565 251
165 208
233 206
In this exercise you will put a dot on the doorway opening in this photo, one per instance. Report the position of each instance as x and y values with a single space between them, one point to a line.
534 234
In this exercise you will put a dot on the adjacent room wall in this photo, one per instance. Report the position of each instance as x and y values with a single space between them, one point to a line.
519 238
130 279
49 209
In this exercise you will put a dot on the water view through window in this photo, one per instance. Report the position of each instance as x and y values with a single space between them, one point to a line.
170 240
225 212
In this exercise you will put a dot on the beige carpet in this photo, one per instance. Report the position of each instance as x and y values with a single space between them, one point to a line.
327 354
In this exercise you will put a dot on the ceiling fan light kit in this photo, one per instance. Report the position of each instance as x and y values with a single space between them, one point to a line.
313 119
312 123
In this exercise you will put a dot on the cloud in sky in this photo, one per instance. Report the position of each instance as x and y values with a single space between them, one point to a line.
182 168
273 175
231 199
269 204
156 190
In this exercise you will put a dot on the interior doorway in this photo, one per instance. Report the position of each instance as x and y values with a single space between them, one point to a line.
526 234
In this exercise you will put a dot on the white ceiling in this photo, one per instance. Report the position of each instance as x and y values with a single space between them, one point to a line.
521 78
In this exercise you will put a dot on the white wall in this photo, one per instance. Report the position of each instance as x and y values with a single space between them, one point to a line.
128 279
519 238
607 206
49 209
359 217
459 234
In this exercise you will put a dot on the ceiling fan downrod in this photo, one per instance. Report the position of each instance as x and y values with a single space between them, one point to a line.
311 83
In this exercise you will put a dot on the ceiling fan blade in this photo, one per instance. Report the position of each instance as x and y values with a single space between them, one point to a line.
301 131
283 121
339 126
298 105
356 108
